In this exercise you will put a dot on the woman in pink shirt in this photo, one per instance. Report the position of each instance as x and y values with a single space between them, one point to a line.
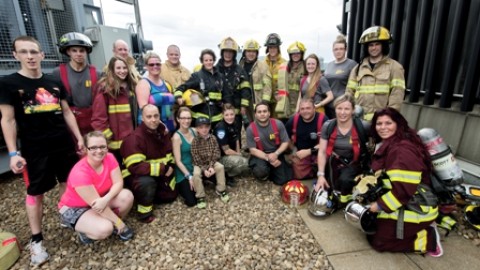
95 201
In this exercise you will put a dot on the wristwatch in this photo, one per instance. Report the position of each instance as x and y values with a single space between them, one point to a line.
320 174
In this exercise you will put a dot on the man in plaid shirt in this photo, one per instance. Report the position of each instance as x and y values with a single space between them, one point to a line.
205 154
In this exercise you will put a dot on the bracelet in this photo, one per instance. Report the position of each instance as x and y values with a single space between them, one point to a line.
276 153
187 176
118 222
320 174
14 153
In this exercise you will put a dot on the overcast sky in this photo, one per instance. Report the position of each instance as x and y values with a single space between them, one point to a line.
196 25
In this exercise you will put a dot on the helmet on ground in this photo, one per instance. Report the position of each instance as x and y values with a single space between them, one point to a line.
273 39
228 43
74 39
375 33
321 203
294 190
192 97
296 47
251 45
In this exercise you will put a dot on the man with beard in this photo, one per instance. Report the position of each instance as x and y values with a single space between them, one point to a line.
78 77
147 154
304 128
267 141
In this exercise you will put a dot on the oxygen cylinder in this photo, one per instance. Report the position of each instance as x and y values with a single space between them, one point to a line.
445 166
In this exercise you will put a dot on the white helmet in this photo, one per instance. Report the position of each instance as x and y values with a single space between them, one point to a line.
321 204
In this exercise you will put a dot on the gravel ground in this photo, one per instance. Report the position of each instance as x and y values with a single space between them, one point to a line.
255 230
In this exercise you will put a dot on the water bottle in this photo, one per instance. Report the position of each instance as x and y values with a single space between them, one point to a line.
294 198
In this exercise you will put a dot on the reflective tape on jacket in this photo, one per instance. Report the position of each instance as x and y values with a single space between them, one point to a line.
125 173
346 198
144 209
409 177
391 201
266 98
397 83
215 95
258 86
373 89
352 84
155 168
178 93
122 108
294 87
244 102
215 118
244 84
134 158
114 145
108 133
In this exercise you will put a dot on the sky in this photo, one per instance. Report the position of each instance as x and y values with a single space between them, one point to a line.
196 25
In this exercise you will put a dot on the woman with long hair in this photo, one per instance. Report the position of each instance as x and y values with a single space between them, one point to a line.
314 85
406 164
115 105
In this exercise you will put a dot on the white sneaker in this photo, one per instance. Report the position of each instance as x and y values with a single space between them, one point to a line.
38 254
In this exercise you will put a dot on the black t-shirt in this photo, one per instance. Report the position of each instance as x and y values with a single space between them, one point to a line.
306 132
38 113
226 134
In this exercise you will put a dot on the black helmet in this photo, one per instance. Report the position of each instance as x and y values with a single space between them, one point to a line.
273 39
74 39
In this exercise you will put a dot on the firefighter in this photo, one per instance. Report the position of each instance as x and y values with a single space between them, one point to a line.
147 154
78 77
289 77
236 87
377 81
203 91
258 74
274 60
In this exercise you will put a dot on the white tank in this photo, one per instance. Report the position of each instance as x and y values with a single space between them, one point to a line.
444 163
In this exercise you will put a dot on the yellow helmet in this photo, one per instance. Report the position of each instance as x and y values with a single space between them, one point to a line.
251 45
296 47
375 33
228 43
192 97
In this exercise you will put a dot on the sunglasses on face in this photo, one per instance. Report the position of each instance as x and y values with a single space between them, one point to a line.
154 64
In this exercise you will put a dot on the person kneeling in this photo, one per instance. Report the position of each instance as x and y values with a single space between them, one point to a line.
95 201
147 154
205 154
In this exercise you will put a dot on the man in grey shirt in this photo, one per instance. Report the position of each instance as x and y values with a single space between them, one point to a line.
267 140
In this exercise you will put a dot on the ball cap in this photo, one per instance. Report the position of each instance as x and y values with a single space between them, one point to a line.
202 121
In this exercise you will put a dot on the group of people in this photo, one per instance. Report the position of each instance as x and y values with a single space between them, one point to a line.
114 139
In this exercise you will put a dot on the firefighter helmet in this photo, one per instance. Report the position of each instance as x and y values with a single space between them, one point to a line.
228 43
321 203
294 190
74 39
375 33
192 97
251 45
296 47
273 39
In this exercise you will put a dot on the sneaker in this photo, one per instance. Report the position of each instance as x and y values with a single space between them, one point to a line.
223 196
64 224
201 203
126 234
38 254
84 239
438 250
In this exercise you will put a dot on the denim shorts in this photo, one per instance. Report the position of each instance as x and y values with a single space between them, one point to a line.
69 216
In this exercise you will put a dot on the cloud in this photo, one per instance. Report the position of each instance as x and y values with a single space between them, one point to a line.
195 25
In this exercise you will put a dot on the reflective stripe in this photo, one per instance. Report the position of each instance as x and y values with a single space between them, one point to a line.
352 84
409 177
144 209
244 102
154 169
132 159
391 201
215 95
178 93
420 244
114 145
244 84
374 89
294 87
125 173
346 198
397 83
108 133
447 223
368 116
413 217
266 97
258 86
123 108
214 118
172 183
